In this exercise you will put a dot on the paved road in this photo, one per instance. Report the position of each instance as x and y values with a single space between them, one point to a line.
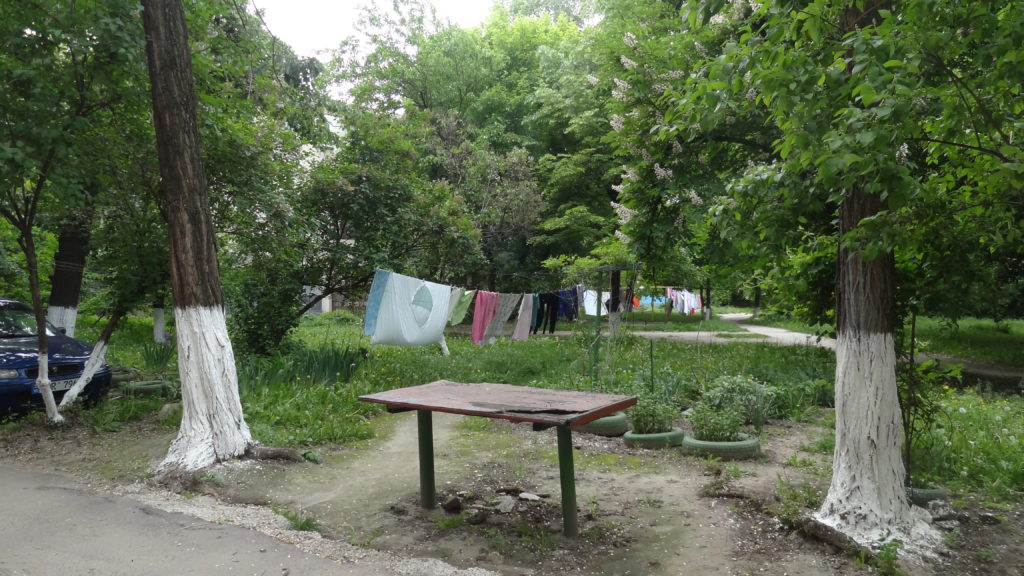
51 525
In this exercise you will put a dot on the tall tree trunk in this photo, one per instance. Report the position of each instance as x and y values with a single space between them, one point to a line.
866 499
95 361
159 321
706 301
614 299
757 301
66 282
28 246
212 425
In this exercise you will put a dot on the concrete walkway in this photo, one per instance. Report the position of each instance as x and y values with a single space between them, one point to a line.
780 335
50 524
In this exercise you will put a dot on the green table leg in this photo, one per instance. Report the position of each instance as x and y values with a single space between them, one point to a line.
424 421
568 477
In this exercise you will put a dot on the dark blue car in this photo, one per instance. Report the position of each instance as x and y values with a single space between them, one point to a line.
19 361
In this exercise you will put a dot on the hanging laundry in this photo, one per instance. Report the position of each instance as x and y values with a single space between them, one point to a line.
380 281
524 323
496 327
590 307
565 306
483 313
536 321
406 311
652 300
461 307
547 315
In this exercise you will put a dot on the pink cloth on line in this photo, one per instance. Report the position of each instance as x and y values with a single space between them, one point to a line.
483 313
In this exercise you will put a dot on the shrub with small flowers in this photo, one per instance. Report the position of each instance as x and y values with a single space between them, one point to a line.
976 447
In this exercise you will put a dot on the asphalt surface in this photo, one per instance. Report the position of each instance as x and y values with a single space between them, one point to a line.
52 525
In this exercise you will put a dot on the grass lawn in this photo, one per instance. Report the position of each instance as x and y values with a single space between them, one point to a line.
974 338
307 397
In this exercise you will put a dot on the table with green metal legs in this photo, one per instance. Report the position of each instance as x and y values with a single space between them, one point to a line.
561 409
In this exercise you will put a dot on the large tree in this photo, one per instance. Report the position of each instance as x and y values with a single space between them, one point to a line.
884 110
66 68
212 427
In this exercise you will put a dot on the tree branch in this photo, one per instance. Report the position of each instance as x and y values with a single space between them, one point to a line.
981 149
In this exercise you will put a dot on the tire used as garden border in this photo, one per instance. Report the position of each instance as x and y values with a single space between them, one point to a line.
654 441
922 496
747 447
615 424
148 388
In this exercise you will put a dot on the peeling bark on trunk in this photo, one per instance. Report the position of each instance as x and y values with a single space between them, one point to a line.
212 427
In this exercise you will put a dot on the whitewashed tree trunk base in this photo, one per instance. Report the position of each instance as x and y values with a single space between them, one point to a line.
212 425
867 490
159 326
93 364
43 383
63 317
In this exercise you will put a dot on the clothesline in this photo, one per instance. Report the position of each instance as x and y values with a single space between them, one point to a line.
407 311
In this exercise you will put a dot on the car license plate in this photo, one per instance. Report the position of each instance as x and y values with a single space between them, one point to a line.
61 385
57 385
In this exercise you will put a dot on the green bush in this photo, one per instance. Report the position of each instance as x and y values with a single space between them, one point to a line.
753 400
651 417
715 424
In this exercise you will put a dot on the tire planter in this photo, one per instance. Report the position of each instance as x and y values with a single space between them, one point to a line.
148 388
746 447
611 425
922 496
654 441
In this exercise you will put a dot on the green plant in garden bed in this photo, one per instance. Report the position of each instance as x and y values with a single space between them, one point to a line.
715 423
652 425
651 417
753 400
157 358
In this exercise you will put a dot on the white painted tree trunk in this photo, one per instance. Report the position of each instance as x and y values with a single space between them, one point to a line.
867 500
63 317
212 426
95 361
159 326
43 383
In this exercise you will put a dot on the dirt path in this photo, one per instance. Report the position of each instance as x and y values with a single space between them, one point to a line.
641 512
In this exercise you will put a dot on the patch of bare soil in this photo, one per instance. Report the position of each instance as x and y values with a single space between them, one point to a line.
640 512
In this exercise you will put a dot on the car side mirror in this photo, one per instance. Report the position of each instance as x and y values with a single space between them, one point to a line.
62 330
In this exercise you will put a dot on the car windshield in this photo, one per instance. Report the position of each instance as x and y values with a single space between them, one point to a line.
15 323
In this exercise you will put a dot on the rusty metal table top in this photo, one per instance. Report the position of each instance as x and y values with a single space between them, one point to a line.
505 401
